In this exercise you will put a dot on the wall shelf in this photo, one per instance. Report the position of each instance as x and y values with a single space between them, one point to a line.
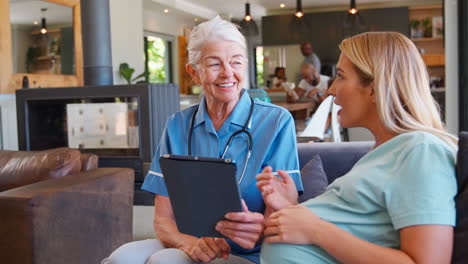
49 31
426 39
431 7
438 90
55 57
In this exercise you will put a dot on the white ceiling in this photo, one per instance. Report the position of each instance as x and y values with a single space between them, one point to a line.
26 11
236 8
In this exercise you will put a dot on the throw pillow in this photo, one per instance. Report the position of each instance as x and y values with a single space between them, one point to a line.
314 179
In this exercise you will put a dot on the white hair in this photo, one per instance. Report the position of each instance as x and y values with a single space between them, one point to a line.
213 29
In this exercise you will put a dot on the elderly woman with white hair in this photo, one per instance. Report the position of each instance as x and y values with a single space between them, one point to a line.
217 62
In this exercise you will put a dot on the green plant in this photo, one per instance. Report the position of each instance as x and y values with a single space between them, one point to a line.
415 23
31 55
426 23
54 47
126 72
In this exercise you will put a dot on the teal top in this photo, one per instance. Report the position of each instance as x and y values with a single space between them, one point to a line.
409 180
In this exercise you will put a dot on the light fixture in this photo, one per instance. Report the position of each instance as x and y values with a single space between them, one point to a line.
247 16
298 23
299 12
166 10
248 25
44 24
352 9
354 22
282 5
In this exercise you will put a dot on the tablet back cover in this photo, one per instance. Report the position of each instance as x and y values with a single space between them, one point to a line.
201 191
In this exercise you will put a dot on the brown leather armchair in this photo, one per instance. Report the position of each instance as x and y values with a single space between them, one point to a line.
56 206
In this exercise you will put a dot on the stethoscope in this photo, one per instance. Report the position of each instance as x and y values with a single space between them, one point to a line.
228 144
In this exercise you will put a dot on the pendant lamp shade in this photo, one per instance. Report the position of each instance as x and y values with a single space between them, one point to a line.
298 22
299 12
352 8
354 22
44 23
247 16
248 25
44 26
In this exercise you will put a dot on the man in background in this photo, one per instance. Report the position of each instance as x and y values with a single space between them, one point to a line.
309 56
312 86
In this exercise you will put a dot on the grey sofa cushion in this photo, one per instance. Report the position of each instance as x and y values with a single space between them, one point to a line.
314 179
460 254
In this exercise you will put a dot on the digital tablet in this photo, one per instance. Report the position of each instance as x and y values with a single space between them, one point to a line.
202 190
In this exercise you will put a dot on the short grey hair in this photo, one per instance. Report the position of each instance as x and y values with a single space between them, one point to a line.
213 29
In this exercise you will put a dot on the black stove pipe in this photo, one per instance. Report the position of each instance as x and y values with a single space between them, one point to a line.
95 31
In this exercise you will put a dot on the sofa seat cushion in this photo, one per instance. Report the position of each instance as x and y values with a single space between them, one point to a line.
313 178
19 168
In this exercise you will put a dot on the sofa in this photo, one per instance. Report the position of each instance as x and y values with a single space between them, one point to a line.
338 158
56 206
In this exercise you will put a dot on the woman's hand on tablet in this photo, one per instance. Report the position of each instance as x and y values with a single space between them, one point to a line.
206 249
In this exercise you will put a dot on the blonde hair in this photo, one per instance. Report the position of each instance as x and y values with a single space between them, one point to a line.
401 83
213 29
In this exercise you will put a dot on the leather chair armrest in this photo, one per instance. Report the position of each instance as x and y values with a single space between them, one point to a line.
89 162
79 218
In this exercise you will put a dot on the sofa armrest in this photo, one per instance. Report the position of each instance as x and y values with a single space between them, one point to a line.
79 218
21 168
89 161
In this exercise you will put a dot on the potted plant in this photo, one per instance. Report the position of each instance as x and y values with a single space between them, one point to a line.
416 31
427 27
126 72
31 55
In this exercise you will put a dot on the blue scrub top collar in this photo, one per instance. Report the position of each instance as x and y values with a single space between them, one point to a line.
238 116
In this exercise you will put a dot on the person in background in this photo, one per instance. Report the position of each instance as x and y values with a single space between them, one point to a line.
217 62
396 205
279 78
312 86
310 57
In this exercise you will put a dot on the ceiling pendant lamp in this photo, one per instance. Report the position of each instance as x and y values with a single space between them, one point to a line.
352 9
354 22
298 23
248 25
247 16
299 12
44 24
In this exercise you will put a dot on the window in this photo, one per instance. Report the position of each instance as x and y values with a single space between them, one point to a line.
259 66
158 57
